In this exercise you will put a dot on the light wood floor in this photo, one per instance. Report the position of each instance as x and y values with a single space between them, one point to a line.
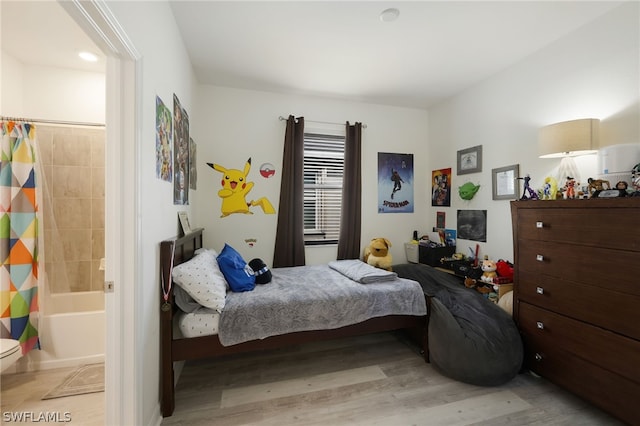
21 395
370 380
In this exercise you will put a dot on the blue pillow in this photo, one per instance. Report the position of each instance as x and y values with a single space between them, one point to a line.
236 271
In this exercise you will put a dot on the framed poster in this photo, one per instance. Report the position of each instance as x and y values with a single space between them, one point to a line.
164 136
470 160
180 153
503 182
184 222
440 220
395 183
441 187
193 171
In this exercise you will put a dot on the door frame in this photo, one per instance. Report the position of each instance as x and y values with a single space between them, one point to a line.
122 231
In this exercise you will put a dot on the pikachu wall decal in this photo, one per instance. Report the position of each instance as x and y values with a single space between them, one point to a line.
235 187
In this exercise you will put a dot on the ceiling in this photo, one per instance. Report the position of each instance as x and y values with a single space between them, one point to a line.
336 49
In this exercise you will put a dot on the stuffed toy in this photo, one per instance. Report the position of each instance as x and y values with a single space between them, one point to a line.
262 272
488 271
377 254
505 269
470 282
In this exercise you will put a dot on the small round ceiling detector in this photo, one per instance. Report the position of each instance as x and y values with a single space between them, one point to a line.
389 15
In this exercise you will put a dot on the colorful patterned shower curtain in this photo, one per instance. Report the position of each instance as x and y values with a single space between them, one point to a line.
18 235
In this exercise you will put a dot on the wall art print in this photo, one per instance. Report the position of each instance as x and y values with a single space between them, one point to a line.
470 160
440 220
441 187
235 188
193 170
395 183
164 136
472 225
180 153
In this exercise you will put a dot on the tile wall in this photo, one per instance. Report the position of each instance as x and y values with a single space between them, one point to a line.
72 203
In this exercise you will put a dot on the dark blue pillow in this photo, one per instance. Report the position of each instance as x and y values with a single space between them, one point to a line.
236 271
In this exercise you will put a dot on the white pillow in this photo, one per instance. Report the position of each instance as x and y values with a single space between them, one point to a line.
201 278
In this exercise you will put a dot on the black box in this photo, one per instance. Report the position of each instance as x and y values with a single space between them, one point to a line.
431 256
465 268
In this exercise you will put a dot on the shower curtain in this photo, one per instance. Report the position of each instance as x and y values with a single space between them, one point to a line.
18 235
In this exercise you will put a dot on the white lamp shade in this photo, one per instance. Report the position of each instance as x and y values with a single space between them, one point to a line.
569 138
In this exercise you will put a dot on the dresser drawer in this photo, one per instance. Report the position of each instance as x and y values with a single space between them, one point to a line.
544 329
609 391
599 227
611 269
596 305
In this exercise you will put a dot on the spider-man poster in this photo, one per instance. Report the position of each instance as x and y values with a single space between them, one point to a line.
395 183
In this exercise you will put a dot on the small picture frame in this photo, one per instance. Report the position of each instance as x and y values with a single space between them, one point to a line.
184 222
504 182
470 160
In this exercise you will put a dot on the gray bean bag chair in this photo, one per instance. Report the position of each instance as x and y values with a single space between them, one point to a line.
470 339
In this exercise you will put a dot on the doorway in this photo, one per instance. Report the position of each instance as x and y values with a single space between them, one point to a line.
121 231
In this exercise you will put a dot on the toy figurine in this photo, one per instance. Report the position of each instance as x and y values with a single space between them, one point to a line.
528 190
550 189
635 180
570 187
597 185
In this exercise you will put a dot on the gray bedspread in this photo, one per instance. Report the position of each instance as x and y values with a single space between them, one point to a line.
313 298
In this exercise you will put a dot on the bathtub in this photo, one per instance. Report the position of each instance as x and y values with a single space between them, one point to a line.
72 333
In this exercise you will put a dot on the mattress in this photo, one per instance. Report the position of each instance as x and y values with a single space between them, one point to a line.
201 322
300 299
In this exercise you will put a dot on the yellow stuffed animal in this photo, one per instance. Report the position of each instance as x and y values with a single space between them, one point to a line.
377 254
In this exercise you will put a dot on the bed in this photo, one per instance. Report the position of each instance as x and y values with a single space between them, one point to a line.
175 347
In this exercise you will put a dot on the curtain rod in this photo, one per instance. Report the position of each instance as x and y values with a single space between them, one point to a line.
41 121
281 118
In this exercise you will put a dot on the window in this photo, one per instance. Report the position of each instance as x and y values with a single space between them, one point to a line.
323 171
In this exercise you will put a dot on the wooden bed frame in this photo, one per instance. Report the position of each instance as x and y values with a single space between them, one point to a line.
179 250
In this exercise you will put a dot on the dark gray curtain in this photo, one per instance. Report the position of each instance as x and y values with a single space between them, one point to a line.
349 240
289 248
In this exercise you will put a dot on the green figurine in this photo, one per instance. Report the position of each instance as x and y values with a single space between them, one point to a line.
468 190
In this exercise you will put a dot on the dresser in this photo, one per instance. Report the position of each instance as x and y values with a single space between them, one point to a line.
577 297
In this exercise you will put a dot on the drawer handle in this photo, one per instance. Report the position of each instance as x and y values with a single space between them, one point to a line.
539 290
539 258
538 357
540 325
539 225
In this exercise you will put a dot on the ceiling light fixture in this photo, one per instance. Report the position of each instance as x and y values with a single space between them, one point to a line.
88 56
389 15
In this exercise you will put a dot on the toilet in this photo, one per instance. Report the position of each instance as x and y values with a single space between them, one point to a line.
10 352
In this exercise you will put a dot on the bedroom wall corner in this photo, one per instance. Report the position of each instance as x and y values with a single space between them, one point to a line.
591 72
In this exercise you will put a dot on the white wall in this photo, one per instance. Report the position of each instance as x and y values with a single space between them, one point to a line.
591 73
163 70
11 98
51 93
238 124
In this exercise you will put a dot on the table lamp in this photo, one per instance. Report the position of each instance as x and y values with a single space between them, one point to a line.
566 140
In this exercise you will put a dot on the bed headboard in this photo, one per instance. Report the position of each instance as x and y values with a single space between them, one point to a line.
172 252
